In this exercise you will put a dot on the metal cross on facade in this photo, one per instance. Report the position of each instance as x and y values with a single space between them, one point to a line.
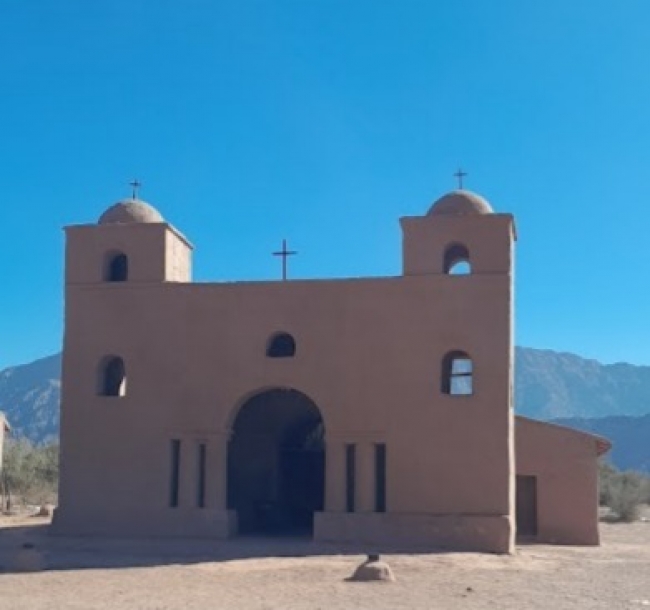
284 253
135 184
460 174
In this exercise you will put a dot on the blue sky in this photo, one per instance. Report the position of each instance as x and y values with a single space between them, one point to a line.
324 121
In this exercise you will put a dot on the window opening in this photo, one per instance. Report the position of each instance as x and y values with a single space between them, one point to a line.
457 374
117 268
175 472
200 492
113 377
281 345
456 261
350 471
380 477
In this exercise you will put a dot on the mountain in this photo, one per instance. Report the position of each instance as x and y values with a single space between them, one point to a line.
549 385
30 395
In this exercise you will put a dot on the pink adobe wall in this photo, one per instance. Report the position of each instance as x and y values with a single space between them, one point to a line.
565 464
369 355
202 346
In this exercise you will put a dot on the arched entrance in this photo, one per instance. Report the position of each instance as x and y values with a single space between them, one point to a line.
276 463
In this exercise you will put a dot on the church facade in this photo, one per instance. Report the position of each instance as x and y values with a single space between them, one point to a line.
374 410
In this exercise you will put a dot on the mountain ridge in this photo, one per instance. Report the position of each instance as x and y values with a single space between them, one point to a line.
30 395
551 385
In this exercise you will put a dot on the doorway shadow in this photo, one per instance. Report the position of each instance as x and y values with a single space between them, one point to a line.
276 463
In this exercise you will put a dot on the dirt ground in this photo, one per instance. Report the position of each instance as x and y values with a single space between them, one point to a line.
264 574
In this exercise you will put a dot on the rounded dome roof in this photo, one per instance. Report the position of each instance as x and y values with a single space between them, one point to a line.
130 210
460 203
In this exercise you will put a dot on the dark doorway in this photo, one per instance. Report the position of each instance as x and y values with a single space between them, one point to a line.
526 506
276 464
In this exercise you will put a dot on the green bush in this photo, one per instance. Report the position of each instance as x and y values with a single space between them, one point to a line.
623 492
30 473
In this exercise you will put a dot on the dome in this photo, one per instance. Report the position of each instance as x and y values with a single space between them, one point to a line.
130 210
460 203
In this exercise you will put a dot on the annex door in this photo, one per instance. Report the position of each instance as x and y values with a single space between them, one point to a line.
526 506
276 464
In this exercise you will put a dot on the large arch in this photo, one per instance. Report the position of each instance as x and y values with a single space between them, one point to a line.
276 463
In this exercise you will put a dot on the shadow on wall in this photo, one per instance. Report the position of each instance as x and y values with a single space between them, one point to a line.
78 553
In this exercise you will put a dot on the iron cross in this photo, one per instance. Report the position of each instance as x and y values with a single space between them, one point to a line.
135 184
460 174
284 253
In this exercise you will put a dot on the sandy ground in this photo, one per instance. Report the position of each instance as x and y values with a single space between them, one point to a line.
266 574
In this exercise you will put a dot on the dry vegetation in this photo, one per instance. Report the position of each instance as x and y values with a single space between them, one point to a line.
30 474
623 492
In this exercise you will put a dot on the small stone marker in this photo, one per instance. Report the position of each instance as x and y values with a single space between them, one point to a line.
373 569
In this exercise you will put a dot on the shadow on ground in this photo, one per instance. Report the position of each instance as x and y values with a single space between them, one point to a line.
77 553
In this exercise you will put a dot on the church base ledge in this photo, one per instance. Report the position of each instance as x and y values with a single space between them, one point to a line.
404 531
168 522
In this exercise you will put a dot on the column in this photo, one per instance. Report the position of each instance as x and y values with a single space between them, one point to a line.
216 472
365 480
334 476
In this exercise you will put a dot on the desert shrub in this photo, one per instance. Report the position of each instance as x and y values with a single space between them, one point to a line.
623 492
30 473
606 475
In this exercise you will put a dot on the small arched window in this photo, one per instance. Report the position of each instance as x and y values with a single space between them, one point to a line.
117 267
456 261
112 377
457 374
281 345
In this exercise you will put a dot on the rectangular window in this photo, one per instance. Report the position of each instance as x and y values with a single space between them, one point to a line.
461 377
175 472
350 468
380 477
200 489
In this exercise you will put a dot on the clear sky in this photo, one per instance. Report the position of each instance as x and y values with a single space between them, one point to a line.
324 121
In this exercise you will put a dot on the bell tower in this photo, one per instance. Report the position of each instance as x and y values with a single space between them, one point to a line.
460 227
461 255
116 273
130 243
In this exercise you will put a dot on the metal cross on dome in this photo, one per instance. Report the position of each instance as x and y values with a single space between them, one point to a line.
284 253
135 185
460 174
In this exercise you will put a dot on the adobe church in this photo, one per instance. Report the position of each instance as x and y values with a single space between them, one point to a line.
365 410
